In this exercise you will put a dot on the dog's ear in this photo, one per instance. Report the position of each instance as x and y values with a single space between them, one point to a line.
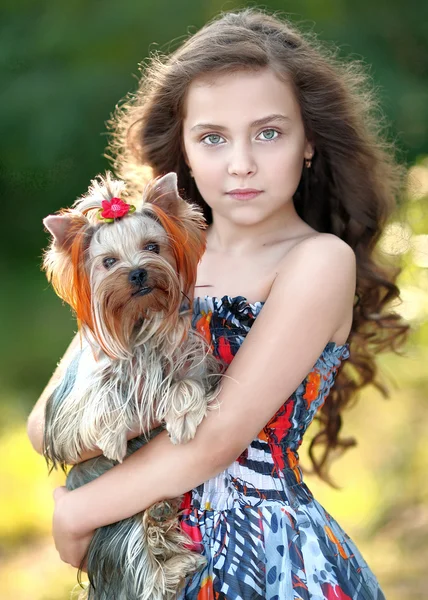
64 261
58 226
63 228
183 222
163 192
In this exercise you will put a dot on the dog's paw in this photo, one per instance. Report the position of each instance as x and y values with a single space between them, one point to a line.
161 511
186 406
182 429
114 447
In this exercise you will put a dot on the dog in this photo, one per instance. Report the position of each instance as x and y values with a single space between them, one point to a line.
128 275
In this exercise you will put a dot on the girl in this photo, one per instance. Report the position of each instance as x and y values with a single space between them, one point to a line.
276 140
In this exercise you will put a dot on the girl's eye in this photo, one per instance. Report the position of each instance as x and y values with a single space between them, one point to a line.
109 261
214 139
269 134
152 248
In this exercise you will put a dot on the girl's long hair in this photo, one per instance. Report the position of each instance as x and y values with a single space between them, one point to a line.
350 189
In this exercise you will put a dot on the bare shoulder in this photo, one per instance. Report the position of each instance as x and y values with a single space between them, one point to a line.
325 245
320 251
321 267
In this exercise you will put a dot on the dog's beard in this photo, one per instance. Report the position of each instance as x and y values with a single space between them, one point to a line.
126 315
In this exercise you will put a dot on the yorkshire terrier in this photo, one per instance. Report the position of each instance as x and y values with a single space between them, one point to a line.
129 274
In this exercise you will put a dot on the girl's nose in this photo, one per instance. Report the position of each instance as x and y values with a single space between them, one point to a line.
241 162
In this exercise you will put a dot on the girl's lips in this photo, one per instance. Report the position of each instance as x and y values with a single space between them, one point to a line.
244 195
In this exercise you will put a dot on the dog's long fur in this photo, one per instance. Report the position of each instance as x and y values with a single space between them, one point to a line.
140 363
146 556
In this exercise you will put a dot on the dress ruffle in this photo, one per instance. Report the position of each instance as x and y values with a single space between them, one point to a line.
275 552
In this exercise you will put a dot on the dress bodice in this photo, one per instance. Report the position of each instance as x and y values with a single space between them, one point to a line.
272 458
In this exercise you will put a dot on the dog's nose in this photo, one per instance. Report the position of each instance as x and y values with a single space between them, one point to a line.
137 277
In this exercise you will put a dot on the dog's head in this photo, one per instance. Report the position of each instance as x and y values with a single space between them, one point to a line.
126 277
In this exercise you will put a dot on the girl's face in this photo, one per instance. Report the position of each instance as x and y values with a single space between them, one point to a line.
244 130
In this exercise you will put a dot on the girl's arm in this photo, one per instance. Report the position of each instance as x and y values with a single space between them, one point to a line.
311 298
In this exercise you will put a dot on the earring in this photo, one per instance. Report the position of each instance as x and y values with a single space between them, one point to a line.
308 162
191 173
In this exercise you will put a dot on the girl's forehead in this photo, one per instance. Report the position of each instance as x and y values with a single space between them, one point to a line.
238 95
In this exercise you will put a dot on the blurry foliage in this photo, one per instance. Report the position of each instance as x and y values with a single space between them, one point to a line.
63 68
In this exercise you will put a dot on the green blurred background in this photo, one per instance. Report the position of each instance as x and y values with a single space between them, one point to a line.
64 66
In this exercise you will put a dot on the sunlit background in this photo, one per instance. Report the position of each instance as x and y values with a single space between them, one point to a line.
64 66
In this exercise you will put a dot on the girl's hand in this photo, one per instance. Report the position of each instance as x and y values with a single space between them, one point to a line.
70 544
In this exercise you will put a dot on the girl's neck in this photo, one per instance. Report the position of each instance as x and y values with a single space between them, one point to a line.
227 237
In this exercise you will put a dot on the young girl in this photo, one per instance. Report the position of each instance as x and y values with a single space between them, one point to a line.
276 140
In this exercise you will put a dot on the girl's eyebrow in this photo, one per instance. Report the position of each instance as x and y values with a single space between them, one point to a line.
257 123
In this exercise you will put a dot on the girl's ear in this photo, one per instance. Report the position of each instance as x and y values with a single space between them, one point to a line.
309 150
63 228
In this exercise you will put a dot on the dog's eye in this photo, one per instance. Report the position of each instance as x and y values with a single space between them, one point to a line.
152 248
109 261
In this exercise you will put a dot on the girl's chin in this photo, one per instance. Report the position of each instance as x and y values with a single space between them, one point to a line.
247 219
242 214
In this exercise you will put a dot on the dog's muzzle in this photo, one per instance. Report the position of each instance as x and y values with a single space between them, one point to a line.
137 278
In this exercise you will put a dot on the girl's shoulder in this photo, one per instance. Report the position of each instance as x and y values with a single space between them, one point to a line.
314 243
325 266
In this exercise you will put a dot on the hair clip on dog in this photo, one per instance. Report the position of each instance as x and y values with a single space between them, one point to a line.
114 209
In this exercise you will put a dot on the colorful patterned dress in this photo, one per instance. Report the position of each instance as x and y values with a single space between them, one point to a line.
259 526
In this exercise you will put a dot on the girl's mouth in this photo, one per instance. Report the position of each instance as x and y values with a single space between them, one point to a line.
244 194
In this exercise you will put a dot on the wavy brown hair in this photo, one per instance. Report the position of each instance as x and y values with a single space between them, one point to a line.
350 191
